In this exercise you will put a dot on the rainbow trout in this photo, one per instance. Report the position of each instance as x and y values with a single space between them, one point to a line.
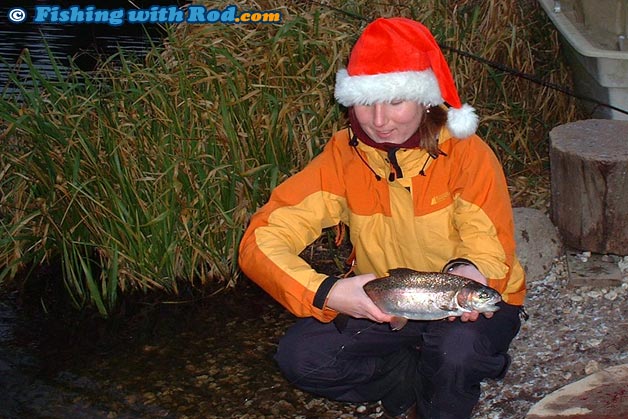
412 295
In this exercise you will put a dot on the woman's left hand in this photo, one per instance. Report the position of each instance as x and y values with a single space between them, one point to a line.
471 272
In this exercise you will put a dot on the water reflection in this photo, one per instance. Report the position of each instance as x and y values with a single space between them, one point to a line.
81 42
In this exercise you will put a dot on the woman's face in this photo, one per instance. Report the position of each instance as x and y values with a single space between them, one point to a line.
391 122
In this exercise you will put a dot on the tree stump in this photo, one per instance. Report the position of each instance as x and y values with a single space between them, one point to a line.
589 184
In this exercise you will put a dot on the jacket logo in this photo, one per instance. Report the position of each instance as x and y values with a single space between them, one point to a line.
440 198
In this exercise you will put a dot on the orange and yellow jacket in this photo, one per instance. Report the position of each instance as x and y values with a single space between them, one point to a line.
403 209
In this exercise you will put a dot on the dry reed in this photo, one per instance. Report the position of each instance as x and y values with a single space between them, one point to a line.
144 175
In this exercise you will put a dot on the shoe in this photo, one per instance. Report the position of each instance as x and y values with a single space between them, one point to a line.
411 413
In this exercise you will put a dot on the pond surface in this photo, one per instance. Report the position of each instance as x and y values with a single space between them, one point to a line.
83 43
207 355
207 358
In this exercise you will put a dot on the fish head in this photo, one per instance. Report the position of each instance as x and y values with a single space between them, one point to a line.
478 297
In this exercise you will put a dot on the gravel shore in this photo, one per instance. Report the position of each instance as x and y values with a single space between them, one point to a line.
213 359
572 332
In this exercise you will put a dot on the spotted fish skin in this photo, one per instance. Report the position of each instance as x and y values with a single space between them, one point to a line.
407 294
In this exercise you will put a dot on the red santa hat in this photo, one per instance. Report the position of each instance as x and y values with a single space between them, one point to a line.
399 59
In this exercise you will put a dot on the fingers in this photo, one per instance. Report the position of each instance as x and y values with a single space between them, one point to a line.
471 272
364 278
471 316
347 296
377 315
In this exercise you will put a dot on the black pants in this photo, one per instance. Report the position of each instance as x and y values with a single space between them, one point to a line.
437 364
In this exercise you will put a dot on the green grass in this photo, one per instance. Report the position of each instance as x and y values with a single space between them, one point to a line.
142 176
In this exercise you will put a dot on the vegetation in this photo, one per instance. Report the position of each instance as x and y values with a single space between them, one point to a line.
142 175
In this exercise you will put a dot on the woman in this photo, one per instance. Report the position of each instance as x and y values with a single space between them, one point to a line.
417 189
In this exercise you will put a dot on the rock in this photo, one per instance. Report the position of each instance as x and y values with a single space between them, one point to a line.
600 395
538 242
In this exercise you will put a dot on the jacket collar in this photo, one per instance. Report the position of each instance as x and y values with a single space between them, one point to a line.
413 142
397 162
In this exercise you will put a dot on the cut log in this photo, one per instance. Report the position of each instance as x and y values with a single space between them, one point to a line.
589 184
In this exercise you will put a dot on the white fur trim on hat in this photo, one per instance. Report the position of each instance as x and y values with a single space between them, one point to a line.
462 122
416 86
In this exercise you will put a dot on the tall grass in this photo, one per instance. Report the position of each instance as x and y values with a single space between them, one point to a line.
142 175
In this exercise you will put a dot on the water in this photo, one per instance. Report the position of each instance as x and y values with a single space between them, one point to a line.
48 369
83 43
210 357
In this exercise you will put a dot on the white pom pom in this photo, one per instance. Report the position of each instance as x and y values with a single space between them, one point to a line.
462 122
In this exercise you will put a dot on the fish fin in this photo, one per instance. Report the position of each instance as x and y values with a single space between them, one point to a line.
400 272
449 308
397 323
341 321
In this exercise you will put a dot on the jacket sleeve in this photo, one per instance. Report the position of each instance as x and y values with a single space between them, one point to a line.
297 212
483 212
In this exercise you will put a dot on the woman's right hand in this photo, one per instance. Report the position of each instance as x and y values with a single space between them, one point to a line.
348 297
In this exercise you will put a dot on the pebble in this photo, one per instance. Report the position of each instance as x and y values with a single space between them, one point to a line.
594 294
594 342
591 367
611 295
584 256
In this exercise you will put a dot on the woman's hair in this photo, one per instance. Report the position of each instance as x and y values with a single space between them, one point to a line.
434 118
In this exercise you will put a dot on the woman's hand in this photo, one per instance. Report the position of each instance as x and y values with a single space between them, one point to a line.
348 297
471 272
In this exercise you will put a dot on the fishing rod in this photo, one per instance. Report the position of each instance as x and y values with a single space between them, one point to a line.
494 64
532 78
